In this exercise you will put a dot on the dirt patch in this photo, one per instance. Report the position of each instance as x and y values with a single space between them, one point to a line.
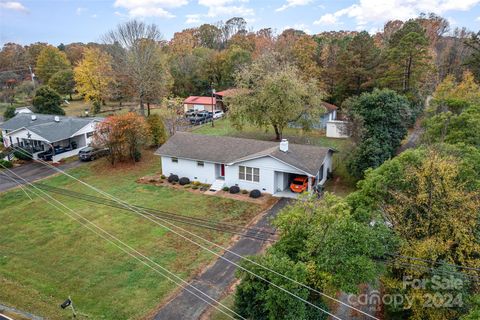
266 200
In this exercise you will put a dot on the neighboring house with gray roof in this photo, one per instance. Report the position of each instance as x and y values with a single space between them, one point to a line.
49 136
249 164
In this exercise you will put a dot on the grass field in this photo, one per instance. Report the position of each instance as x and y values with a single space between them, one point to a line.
45 256
224 127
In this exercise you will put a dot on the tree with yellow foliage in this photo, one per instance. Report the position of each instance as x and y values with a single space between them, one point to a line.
431 199
93 76
452 96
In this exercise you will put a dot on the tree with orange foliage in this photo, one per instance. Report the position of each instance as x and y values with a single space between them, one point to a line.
124 135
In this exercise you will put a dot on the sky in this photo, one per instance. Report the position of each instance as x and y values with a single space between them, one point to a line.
66 21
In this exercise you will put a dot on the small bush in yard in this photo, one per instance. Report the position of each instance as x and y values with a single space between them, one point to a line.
196 183
255 193
244 191
173 178
194 187
23 155
234 189
6 164
184 180
187 186
225 188
162 176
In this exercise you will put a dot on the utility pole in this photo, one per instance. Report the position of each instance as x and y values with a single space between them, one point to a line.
213 105
32 75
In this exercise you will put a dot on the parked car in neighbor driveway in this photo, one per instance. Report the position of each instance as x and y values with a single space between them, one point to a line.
91 153
190 113
201 117
218 114
299 184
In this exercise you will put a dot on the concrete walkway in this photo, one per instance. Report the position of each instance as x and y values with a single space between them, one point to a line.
31 172
217 278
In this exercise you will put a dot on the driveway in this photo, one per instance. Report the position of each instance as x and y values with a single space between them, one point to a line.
218 277
31 172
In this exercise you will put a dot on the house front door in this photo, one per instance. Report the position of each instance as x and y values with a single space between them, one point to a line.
222 170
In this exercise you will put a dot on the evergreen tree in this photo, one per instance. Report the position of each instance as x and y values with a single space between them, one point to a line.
407 58
48 101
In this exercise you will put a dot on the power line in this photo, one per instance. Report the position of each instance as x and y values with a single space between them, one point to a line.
202 223
220 256
432 261
129 247
433 270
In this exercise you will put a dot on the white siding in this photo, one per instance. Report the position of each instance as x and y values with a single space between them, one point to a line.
267 166
23 134
327 167
273 173
89 128
336 129
190 169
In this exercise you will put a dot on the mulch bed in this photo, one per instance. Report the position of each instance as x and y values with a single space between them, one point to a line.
157 180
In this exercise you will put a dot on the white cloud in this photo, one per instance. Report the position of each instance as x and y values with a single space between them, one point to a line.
226 8
13 5
478 19
80 10
193 18
293 3
374 11
149 8
326 19
94 16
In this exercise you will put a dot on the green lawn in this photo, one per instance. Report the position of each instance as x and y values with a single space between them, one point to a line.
45 256
224 127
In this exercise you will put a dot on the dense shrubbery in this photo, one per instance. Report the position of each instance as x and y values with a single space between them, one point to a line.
5 163
23 155
380 118
234 189
255 193
173 178
183 181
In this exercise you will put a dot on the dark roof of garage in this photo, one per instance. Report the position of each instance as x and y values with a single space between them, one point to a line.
226 150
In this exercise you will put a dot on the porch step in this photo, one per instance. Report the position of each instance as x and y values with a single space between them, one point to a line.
217 185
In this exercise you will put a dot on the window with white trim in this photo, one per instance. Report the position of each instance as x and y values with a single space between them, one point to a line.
200 163
249 174
175 160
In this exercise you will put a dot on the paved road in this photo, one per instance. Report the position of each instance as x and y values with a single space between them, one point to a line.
31 172
217 278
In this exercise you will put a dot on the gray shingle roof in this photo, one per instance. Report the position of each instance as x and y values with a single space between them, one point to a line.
46 126
226 150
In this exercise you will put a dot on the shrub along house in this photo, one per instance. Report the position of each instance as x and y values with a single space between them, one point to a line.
246 163
38 133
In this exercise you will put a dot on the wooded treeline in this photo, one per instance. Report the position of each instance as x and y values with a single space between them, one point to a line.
136 64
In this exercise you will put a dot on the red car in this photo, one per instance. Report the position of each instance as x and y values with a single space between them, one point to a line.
299 184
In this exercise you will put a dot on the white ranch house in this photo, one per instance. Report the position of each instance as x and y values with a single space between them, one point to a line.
246 163
41 132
